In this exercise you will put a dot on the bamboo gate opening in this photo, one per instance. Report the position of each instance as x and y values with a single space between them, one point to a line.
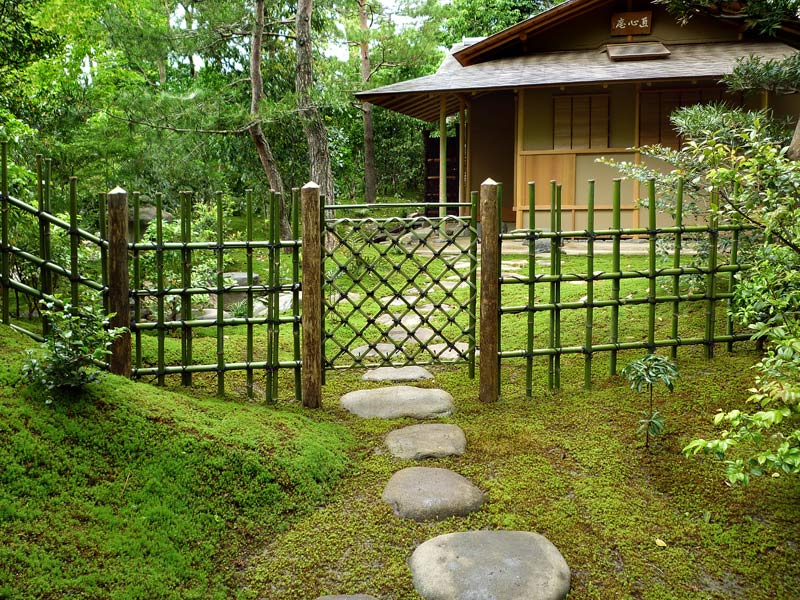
115 277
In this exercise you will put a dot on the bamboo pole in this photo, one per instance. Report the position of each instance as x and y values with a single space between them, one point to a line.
490 292
587 366
442 163
103 230
186 282
118 280
676 264
274 283
48 246
160 285
312 296
44 226
220 299
553 258
298 380
652 290
248 195
137 280
531 298
74 244
473 279
713 240
5 263
731 284
615 268
557 366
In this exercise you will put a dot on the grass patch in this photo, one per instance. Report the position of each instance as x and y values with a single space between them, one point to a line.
134 492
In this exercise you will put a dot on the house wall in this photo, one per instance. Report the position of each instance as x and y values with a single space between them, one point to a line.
492 139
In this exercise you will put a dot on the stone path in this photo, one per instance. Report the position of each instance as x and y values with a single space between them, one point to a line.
485 565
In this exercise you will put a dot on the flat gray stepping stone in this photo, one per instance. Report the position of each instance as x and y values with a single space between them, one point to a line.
210 314
414 336
409 373
427 440
490 565
445 352
399 401
378 351
409 320
348 597
429 494
427 309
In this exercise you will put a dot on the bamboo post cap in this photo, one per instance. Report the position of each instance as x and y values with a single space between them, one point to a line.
116 191
311 185
489 181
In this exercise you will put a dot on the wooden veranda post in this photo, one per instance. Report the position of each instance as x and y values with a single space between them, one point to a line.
490 292
312 295
118 280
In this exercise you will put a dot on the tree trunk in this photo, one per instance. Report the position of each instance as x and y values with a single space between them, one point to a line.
370 175
794 145
256 132
316 134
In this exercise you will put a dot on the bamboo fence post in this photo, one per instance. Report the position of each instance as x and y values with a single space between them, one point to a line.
652 290
531 295
298 376
713 240
103 229
676 264
44 240
551 359
160 285
312 296
118 280
557 369
615 268
490 292
587 367
5 265
473 279
186 282
74 243
137 280
274 292
248 195
220 299
731 284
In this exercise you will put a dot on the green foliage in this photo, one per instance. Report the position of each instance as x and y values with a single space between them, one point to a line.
649 371
68 359
471 18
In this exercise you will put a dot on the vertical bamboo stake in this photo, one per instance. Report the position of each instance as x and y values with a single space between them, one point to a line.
531 297
274 283
615 268
74 241
490 292
676 264
652 291
473 279
160 284
48 247
711 282
137 280
44 226
731 284
587 366
118 280
298 381
551 359
248 196
499 262
557 365
220 299
186 282
5 265
312 296
103 229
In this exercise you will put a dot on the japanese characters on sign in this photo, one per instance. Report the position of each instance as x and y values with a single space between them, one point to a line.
631 23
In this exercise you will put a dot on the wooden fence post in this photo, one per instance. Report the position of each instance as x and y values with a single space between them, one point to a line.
312 296
118 280
490 293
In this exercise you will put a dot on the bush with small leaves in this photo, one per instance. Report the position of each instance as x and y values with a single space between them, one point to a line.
69 358
648 371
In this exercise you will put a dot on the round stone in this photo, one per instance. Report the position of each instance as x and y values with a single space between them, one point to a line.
348 597
490 565
427 440
413 336
429 494
409 373
399 401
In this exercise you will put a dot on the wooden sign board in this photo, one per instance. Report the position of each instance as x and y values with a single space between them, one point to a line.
631 23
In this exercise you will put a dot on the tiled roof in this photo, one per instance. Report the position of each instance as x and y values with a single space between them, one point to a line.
421 97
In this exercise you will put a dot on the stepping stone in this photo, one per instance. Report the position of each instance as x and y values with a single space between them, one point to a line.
427 309
415 336
348 597
490 565
409 321
209 314
429 494
237 278
445 352
378 351
428 440
399 401
462 264
409 373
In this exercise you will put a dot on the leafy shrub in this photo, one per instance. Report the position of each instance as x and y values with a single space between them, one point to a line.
68 358
648 371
